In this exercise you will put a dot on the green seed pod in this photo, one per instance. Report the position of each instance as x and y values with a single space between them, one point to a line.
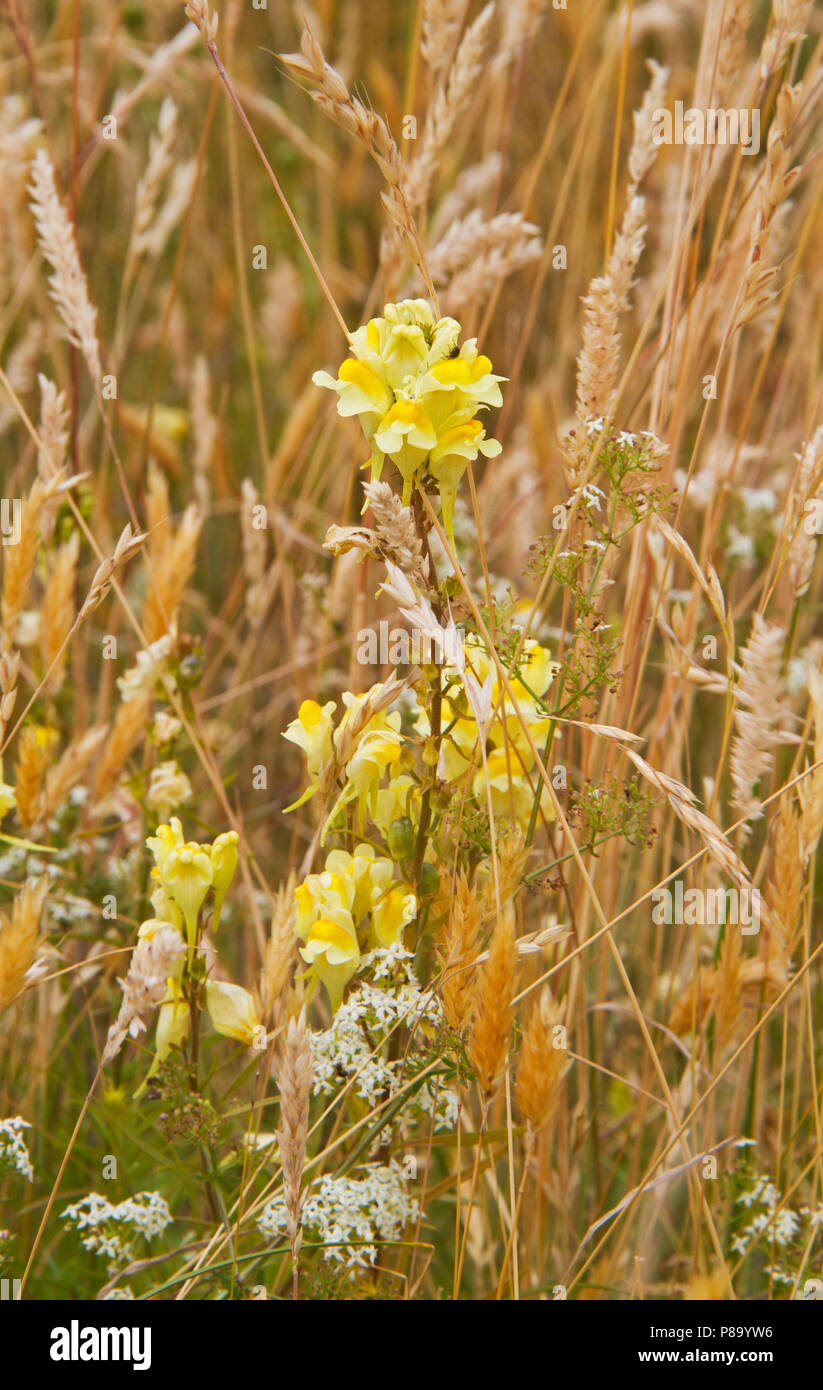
429 880
400 838
430 753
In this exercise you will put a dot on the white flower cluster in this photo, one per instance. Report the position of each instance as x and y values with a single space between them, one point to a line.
391 962
441 1102
779 1228
112 1230
14 1156
351 1046
350 1216
596 423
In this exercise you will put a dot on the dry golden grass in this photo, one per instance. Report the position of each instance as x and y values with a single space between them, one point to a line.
191 226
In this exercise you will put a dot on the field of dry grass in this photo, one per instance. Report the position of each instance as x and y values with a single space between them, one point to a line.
411 661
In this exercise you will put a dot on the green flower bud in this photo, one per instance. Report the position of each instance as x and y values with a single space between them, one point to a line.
190 672
429 880
400 838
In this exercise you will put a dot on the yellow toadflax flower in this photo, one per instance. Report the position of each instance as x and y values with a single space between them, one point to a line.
224 858
334 953
392 913
458 445
312 731
408 436
416 395
369 752
232 1012
185 871
510 761
165 839
370 875
325 924
401 798
165 908
173 1025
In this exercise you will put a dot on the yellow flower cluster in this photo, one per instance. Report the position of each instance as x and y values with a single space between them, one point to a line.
366 751
185 873
353 902
509 758
417 396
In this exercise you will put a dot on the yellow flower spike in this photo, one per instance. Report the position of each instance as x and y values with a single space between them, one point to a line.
334 954
410 385
392 913
224 857
187 876
232 1011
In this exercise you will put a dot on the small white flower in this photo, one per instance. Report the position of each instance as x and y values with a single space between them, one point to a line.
112 1230
759 499
349 1214
740 547
149 667
14 1154
169 787
165 727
